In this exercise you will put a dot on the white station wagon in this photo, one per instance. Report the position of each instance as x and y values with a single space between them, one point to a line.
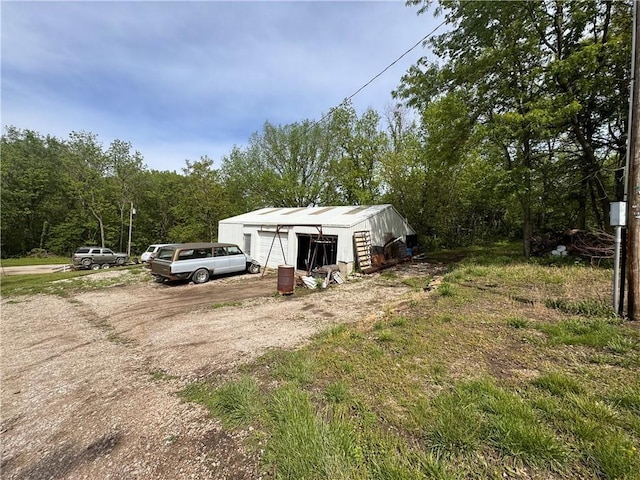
199 261
151 251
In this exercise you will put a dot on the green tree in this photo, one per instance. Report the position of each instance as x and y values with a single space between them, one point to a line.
124 168
156 207
356 170
201 204
32 195
500 61
87 168
285 166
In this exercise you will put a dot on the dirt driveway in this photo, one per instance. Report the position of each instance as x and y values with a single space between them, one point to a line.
89 382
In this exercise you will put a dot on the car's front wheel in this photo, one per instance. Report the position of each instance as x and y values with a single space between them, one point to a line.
253 268
200 276
120 260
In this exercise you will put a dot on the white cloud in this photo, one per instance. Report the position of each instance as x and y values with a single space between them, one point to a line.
196 74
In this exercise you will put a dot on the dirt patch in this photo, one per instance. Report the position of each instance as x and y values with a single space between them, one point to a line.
89 382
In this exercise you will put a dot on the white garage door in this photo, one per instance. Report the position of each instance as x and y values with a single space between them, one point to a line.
275 258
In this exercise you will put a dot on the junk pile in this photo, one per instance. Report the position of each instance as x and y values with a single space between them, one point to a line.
590 245
322 277
393 252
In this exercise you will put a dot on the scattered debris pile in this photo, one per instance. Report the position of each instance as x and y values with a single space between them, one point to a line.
323 277
394 251
591 245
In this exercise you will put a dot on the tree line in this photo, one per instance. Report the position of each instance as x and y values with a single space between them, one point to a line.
517 129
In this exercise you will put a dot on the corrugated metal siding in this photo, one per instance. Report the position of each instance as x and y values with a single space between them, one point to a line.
379 220
230 233
328 216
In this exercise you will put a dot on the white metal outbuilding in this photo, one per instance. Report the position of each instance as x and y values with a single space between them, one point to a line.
297 236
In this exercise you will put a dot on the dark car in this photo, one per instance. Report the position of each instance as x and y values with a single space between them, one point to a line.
96 257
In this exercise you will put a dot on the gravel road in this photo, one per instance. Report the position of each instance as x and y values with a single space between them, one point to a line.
90 382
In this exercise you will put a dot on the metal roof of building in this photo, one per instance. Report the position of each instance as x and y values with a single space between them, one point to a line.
344 216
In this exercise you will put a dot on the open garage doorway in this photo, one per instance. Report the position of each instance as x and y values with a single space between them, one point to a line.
316 250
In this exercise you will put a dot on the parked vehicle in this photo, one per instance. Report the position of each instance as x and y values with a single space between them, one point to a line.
199 261
95 257
150 252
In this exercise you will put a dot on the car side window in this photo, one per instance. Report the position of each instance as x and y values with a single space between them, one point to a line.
106 251
185 254
95 251
220 252
234 250
165 254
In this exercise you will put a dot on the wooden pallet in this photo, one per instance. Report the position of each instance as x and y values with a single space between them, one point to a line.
362 246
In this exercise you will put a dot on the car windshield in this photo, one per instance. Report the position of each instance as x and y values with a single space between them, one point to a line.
151 248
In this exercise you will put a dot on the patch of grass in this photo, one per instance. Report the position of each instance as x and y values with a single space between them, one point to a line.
577 331
614 455
558 384
386 336
446 289
28 261
518 322
335 331
399 322
226 304
307 443
388 275
61 284
627 397
304 445
452 423
620 344
454 388
161 376
587 308
417 283
292 366
515 428
337 392
235 403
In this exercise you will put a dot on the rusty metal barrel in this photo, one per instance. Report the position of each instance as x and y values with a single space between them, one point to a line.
286 279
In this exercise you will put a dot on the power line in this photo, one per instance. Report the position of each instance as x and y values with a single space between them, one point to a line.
420 42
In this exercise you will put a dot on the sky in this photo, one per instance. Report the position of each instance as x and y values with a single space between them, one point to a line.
186 79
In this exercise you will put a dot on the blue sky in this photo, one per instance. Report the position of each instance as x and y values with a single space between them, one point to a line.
180 80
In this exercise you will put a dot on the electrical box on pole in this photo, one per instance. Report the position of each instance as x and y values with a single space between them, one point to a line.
618 219
618 214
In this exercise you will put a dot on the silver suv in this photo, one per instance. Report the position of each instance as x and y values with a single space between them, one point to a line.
95 257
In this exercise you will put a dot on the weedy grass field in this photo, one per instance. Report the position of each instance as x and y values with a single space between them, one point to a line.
509 369
26 261
67 283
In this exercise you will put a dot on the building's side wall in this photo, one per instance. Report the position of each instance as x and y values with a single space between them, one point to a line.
383 226
230 233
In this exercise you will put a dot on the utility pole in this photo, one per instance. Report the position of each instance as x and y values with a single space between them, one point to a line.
633 179
132 212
